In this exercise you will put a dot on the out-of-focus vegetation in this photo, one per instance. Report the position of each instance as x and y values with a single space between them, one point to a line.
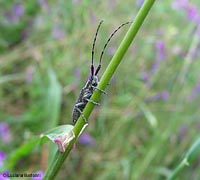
149 118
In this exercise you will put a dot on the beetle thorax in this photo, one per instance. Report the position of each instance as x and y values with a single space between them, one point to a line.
95 81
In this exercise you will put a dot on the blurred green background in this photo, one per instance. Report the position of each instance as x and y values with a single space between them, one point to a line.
150 116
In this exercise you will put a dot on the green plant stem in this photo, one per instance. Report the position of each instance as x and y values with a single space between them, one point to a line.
175 173
117 58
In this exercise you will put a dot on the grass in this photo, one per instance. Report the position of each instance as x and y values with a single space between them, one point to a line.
58 51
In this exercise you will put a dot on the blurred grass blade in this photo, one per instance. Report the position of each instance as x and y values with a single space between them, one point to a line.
191 155
53 99
24 150
53 104
11 77
149 115
193 152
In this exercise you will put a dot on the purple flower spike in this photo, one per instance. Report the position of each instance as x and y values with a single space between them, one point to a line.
156 97
2 158
192 12
145 76
5 132
39 174
87 140
160 50
16 12
165 95
154 66
189 8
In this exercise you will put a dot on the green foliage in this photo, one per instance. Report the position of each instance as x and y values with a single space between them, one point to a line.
42 72
21 152
14 18
190 157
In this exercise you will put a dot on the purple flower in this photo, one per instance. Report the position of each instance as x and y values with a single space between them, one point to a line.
86 139
160 55
156 97
145 76
154 66
192 12
189 8
57 32
39 174
2 158
16 12
139 3
164 95
160 50
5 132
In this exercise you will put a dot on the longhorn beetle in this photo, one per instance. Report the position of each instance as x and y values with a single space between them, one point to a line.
91 84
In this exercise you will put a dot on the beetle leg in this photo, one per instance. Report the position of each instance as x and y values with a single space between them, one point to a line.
82 115
102 91
93 102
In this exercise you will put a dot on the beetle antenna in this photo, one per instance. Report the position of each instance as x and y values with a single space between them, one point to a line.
93 46
113 33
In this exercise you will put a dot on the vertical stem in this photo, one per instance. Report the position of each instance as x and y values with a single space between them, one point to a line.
117 58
